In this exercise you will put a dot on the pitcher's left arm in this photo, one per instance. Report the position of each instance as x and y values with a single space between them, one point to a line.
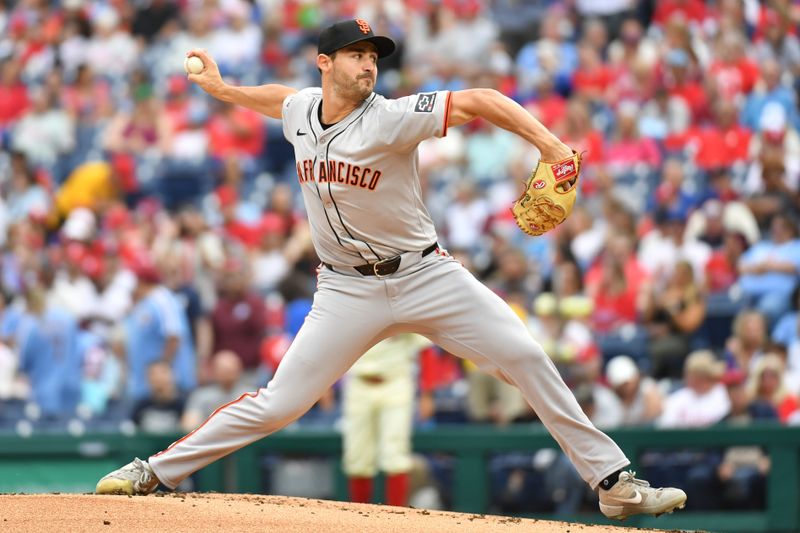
503 112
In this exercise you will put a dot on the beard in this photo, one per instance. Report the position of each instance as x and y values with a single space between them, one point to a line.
353 88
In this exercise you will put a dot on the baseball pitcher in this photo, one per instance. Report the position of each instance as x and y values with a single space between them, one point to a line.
383 272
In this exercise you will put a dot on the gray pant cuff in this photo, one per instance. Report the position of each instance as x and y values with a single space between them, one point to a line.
161 478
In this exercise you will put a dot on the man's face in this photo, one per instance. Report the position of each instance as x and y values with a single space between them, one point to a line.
738 396
699 382
160 378
754 330
627 389
234 284
354 70
769 383
780 229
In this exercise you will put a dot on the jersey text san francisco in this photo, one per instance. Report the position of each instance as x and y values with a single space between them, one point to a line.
338 172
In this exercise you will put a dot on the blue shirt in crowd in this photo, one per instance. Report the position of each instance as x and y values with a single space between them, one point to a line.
756 102
785 331
49 355
154 319
770 282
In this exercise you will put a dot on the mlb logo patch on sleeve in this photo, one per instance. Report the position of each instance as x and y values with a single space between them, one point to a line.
425 103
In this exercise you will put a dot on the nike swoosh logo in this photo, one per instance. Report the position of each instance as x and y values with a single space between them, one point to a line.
300 132
634 500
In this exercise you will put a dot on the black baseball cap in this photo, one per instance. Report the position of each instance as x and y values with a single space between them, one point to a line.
347 32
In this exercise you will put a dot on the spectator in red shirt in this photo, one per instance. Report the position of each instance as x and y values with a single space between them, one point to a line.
14 101
614 298
631 50
627 151
592 77
689 11
548 106
88 98
238 318
273 55
281 203
732 74
679 82
228 201
622 247
235 132
721 269
576 130
717 146
723 143
439 371
177 103
771 15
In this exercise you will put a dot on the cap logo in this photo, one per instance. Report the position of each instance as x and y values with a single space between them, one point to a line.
363 25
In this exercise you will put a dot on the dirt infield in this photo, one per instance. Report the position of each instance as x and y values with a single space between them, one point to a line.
243 512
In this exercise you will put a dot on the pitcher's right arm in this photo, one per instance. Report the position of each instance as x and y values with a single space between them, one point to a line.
265 99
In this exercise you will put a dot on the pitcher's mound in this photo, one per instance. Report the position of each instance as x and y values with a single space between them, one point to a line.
195 513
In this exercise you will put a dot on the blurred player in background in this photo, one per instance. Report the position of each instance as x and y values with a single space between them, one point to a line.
378 415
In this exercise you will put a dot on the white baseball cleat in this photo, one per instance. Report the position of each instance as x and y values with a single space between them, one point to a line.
135 477
631 496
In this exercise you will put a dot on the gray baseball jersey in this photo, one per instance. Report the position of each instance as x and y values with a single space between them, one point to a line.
359 177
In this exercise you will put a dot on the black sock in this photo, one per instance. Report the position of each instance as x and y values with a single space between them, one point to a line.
610 481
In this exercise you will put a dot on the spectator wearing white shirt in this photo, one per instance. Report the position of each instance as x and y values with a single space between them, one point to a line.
236 46
115 288
270 263
45 133
72 289
662 248
640 399
199 34
703 400
111 50
73 49
466 217
226 385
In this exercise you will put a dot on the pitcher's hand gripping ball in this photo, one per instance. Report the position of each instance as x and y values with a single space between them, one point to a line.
193 65
549 195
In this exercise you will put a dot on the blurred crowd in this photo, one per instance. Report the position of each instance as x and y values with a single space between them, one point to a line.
155 260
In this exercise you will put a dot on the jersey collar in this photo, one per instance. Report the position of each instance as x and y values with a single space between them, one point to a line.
346 121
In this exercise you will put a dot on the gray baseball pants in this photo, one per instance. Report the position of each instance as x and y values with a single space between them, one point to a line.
434 296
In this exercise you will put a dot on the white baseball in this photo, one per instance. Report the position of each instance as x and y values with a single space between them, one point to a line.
193 65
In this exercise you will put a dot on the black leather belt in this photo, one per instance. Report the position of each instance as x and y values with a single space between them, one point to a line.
372 380
385 267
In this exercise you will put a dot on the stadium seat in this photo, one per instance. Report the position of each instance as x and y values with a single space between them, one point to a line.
721 309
